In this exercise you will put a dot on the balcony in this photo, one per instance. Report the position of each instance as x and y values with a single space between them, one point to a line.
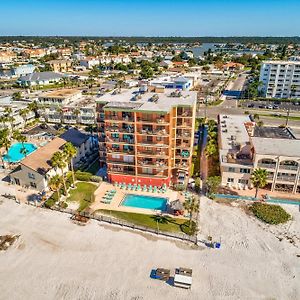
152 164
266 166
117 129
153 121
119 162
288 167
120 171
153 132
120 151
152 153
154 174
119 119
286 178
118 140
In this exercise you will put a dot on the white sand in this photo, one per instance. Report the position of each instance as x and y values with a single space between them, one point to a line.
56 259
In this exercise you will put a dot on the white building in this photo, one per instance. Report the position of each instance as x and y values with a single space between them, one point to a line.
281 79
244 147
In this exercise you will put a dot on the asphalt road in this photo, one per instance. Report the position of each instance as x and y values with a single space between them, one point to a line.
230 107
281 106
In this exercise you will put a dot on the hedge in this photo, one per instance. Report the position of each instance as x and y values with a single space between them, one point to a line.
86 176
271 214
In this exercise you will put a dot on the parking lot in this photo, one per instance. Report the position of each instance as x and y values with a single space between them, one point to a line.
271 105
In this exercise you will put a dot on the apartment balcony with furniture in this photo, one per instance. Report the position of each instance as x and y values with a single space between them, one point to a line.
150 172
158 152
121 170
289 165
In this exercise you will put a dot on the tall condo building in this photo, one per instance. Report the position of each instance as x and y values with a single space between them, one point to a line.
280 79
146 135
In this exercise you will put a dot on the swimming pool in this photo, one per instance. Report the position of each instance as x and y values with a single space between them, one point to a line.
15 152
146 202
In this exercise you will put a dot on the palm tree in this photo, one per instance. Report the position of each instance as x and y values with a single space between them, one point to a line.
5 142
22 139
9 117
70 151
259 179
33 106
58 160
192 206
23 113
55 184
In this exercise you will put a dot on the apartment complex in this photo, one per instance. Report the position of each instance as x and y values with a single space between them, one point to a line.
243 147
67 106
146 135
280 79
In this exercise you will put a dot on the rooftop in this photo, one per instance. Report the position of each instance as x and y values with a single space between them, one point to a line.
133 99
282 62
284 147
40 76
75 137
39 160
273 132
63 93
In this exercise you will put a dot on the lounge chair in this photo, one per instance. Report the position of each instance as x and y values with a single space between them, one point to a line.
150 188
155 189
145 188
138 187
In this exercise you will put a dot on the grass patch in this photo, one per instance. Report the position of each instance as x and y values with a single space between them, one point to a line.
292 118
271 214
215 103
83 194
164 223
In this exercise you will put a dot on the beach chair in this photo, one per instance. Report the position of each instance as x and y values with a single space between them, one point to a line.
155 189
116 184
150 188
138 187
145 188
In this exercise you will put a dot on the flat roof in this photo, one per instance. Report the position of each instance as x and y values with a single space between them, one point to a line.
284 147
39 160
232 128
60 93
273 132
132 99
282 62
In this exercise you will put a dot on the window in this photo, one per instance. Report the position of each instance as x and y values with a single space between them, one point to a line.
243 181
229 180
245 171
32 184
231 169
30 175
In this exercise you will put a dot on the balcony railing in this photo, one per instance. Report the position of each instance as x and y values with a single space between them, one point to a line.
118 162
121 171
266 166
116 118
120 151
152 153
153 132
159 121
288 167
117 140
286 178
117 129
148 163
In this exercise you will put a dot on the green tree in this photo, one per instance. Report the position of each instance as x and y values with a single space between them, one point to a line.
146 72
58 160
70 152
55 184
23 113
192 206
212 184
5 141
21 139
16 96
259 179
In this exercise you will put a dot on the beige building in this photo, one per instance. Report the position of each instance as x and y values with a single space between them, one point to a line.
60 65
244 147
35 170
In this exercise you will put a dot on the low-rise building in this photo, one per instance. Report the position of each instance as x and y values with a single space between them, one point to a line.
40 78
60 65
67 106
35 170
243 147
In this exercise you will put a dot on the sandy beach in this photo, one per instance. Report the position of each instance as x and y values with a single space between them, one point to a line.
56 259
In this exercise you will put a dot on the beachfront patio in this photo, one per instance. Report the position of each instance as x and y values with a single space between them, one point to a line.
118 196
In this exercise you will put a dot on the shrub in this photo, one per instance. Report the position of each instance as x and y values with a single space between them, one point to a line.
49 203
95 178
179 187
197 184
83 176
63 204
271 214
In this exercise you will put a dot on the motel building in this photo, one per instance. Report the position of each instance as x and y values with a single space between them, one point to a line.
146 135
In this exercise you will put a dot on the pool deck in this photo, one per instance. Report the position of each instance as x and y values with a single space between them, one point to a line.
120 194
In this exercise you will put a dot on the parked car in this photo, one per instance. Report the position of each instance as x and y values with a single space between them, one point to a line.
275 106
270 106
250 105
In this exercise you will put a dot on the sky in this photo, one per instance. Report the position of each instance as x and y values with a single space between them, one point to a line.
150 18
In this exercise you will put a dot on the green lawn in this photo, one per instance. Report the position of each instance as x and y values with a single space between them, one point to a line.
83 194
164 223
293 118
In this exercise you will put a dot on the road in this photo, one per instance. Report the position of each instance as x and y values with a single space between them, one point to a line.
230 107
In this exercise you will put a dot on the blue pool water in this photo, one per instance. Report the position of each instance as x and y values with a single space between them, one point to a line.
147 202
14 152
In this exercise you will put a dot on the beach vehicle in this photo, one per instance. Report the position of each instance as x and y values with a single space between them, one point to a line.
161 274
183 278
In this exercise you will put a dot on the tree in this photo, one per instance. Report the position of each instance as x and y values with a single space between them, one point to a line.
5 141
55 183
259 179
9 117
23 113
58 160
33 106
146 72
17 96
192 206
212 184
211 148
22 139
70 152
